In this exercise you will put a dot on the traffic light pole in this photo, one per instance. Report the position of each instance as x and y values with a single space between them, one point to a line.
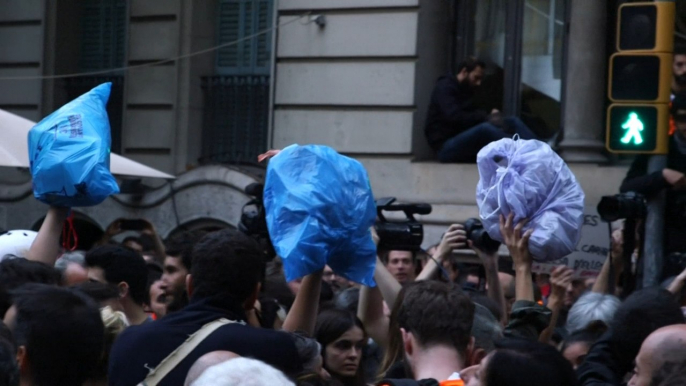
653 246
653 251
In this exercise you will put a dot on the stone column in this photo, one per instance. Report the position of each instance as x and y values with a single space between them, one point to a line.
585 94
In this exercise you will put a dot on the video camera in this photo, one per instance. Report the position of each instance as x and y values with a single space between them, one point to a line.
404 235
254 221
478 235
624 205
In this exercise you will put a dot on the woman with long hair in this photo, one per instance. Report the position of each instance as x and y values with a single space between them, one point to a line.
342 338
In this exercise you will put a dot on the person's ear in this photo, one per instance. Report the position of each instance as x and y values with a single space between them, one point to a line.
407 341
189 285
249 303
476 356
23 361
123 289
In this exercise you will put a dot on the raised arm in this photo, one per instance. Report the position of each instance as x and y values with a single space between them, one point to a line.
518 245
560 279
160 253
495 290
46 247
454 238
528 319
303 313
601 284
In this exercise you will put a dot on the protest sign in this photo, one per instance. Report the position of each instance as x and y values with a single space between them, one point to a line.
591 251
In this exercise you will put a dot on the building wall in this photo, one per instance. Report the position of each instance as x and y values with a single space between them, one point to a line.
361 85
351 83
22 29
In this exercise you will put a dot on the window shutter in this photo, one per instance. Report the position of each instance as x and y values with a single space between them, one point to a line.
239 19
103 32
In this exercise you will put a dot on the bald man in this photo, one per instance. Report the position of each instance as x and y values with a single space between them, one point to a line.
206 361
662 359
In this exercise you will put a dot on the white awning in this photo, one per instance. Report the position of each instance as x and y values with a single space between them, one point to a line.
14 150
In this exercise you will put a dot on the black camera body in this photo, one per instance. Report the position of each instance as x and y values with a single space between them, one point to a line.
624 205
404 235
479 237
254 219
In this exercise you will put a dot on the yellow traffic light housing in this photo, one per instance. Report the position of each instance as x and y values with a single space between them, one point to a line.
638 128
640 77
642 27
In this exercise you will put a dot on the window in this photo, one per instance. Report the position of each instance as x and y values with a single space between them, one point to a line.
522 42
101 34
240 19
236 112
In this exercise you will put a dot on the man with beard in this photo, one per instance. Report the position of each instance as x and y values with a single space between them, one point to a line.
177 265
671 179
455 128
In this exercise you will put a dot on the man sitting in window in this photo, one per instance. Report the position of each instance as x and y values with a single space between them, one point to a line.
455 129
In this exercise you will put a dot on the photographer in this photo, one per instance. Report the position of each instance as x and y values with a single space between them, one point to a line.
671 179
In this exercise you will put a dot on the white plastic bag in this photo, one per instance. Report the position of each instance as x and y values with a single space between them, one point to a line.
528 178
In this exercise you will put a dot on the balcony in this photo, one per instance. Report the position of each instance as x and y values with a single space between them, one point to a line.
236 115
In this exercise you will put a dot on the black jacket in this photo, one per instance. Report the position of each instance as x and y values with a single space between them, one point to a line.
140 348
638 180
606 363
451 111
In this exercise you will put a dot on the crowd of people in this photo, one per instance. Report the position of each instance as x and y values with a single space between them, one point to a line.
213 309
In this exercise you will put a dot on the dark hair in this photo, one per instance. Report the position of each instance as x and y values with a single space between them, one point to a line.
181 246
470 64
588 335
275 286
62 332
147 242
314 379
483 300
269 312
437 313
385 254
19 271
228 263
9 370
99 292
121 265
520 362
331 324
154 274
641 314
679 48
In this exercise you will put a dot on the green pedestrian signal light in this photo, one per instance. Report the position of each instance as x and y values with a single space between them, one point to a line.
634 127
638 128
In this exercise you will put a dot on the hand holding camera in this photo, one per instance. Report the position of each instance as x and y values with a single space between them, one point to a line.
454 238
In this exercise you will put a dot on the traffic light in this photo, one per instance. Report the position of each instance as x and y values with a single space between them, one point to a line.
640 78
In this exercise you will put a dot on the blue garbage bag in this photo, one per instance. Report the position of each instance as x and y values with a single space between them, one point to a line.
527 178
319 208
69 152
